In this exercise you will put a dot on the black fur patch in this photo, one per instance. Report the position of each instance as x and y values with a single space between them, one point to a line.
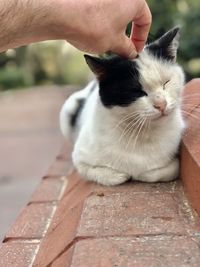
163 48
120 86
160 52
74 117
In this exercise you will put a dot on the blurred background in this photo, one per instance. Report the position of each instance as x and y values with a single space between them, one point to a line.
29 130
169 13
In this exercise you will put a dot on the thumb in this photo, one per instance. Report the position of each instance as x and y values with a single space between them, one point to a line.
125 48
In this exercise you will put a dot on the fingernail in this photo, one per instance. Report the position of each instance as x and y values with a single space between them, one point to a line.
133 54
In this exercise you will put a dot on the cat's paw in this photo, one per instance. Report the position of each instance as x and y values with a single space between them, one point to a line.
113 178
165 174
102 175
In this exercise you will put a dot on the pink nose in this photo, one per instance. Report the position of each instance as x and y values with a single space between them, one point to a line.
160 105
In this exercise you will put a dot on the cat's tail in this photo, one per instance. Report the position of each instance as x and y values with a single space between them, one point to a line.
72 108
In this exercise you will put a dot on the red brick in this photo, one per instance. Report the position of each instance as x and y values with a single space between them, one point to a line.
65 153
17 254
191 95
137 252
59 168
62 230
190 151
32 222
190 173
137 187
129 213
49 190
64 259
132 209
191 138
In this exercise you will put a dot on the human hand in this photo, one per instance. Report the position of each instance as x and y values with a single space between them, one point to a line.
94 26
98 26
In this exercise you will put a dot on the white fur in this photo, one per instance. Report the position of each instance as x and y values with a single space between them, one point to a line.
109 150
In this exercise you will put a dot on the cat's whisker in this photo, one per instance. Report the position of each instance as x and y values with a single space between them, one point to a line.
131 118
149 125
132 130
188 102
140 128
190 95
127 117
192 110
149 115
128 128
190 114
126 121
190 106
145 127
137 131
189 99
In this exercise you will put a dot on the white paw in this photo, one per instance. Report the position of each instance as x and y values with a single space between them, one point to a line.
112 179
102 175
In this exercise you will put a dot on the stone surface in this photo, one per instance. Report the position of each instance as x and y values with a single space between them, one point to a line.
18 254
63 228
157 251
138 187
64 259
33 222
60 168
136 213
92 216
50 190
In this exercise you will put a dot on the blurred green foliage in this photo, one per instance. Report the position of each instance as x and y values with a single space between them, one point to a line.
56 62
51 62
186 13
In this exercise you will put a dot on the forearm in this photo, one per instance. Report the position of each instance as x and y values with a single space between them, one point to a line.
23 22
94 26
28 21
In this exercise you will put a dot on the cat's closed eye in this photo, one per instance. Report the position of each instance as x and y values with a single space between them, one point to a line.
164 85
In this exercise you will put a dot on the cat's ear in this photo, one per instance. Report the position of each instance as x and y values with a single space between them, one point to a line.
166 46
97 65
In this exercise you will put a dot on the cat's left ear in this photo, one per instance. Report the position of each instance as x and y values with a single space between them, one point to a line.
97 65
166 46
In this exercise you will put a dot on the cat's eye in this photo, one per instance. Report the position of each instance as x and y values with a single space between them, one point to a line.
165 84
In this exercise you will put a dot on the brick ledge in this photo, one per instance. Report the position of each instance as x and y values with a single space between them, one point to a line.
68 218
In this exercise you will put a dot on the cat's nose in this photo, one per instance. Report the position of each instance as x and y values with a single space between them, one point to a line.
160 105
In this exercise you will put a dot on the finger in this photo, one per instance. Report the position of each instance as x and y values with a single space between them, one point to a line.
140 29
125 48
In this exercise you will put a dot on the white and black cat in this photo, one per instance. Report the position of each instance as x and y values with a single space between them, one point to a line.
128 123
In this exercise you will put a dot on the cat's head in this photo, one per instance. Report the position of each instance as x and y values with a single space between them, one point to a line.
149 85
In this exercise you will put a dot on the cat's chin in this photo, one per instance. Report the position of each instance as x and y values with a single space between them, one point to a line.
160 116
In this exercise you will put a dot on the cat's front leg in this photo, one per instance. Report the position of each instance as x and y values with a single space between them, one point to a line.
101 174
165 174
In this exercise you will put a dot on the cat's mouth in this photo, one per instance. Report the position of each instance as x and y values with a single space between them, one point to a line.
160 115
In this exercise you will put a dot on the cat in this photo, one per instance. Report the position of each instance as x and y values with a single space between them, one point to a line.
127 124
